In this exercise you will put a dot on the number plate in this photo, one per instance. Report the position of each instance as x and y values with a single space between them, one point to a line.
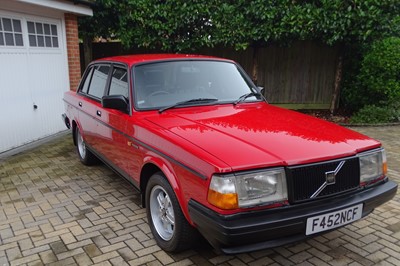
332 220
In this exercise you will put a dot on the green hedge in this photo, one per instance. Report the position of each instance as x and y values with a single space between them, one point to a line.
375 92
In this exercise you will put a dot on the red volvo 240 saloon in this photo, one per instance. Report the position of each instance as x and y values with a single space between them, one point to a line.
208 154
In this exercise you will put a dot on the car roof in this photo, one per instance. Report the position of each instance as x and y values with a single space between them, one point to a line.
142 58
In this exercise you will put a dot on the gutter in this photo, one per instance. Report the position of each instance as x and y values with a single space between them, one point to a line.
88 3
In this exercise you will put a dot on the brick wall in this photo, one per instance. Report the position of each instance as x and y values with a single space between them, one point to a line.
74 67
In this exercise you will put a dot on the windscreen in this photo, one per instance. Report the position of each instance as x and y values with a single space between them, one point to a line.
157 85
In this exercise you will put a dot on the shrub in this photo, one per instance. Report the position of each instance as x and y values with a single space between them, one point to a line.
379 77
371 114
374 94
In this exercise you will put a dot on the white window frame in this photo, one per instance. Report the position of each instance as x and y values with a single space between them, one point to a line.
3 31
43 34
25 35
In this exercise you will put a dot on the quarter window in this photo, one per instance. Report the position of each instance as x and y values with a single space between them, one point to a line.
85 85
42 34
10 32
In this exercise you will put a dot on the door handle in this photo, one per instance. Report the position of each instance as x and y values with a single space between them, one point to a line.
98 113
80 104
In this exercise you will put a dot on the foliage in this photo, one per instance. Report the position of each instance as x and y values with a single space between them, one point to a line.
371 114
242 23
103 23
181 25
380 70
168 25
378 82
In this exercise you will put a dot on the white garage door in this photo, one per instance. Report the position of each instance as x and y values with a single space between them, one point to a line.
33 77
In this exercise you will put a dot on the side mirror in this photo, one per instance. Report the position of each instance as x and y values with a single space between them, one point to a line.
262 90
117 102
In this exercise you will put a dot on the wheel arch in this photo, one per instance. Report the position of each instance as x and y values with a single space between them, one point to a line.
158 165
74 125
148 170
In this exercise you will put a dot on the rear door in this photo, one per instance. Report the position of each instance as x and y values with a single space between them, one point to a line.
89 104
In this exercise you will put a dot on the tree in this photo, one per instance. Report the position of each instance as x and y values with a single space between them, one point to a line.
181 25
255 24
103 23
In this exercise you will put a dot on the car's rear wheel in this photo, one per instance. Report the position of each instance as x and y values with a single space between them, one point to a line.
85 156
169 226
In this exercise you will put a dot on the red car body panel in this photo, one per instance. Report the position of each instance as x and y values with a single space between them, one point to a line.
257 135
191 144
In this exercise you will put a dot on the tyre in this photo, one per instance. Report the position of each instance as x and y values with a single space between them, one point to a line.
169 226
85 156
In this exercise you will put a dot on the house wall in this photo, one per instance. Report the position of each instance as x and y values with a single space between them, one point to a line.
74 68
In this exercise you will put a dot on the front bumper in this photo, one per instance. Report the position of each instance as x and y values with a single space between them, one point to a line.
251 231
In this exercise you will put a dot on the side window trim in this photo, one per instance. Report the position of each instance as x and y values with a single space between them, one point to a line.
83 79
115 67
126 68
87 75
87 72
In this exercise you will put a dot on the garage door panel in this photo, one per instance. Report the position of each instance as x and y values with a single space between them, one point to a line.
47 92
15 101
33 78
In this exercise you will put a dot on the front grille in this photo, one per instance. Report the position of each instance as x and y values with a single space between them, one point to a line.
305 180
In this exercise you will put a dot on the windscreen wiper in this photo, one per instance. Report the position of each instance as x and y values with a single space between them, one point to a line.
245 96
188 102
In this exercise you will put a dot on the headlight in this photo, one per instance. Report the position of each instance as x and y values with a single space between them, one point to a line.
373 166
248 189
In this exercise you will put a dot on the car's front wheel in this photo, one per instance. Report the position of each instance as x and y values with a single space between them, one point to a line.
85 156
169 226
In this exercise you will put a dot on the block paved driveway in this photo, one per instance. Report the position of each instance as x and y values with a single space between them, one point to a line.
56 211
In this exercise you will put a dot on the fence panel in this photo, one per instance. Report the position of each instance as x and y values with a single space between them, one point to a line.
300 76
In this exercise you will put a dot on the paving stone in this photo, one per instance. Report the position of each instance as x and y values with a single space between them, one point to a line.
69 253
92 250
185 262
45 241
67 261
83 259
24 260
35 250
47 257
106 256
142 260
300 257
13 253
58 247
118 261
68 238
148 250
127 254
378 257
55 211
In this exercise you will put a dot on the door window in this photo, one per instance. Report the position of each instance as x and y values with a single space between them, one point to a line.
98 81
119 82
85 86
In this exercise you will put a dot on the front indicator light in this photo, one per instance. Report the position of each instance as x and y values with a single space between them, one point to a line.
384 164
222 193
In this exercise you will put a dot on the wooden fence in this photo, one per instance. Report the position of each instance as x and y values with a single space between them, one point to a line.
301 76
